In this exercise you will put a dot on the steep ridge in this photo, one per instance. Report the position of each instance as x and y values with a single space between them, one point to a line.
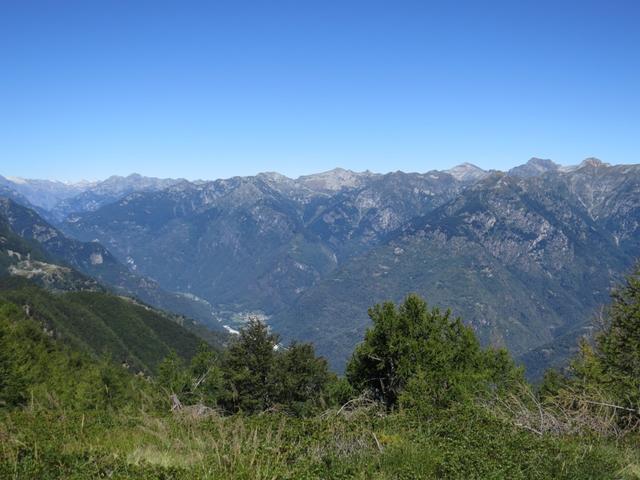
93 196
55 200
534 168
81 311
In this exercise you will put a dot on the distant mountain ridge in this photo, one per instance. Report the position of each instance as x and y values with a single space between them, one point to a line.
524 261
534 167
63 198
524 256
58 199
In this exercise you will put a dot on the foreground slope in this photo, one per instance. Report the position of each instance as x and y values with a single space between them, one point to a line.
66 415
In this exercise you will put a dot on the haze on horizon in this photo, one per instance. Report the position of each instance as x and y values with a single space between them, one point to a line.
88 181
203 91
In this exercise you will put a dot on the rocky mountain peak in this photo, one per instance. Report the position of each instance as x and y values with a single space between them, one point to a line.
335 179
16 180
593 162
541 162
534 167
274 177
467 172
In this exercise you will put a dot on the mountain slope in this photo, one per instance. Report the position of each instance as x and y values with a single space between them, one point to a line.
56 200
101 323
26 227
257 243
45 194
522 261
534 167
93 196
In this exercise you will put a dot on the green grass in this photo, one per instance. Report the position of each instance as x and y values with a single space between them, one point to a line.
367 445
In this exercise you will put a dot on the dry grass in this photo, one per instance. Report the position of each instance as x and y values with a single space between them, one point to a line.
571 412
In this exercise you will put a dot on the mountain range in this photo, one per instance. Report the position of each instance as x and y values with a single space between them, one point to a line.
525 257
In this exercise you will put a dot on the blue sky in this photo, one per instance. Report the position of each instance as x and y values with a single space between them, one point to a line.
216 89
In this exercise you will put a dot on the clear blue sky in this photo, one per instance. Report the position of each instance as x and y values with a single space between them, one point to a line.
216 89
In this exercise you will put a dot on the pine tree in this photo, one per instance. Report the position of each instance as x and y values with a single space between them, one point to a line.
302 378
619 345
441 353
249 369
173 376
205 377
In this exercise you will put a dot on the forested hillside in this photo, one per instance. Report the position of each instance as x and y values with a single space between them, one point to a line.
103 324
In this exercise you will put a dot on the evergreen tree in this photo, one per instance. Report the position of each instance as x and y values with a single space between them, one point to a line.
302 378
173 376
249 369
199 382
103 385
552 383
205 377
442 354
607 367
618 346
